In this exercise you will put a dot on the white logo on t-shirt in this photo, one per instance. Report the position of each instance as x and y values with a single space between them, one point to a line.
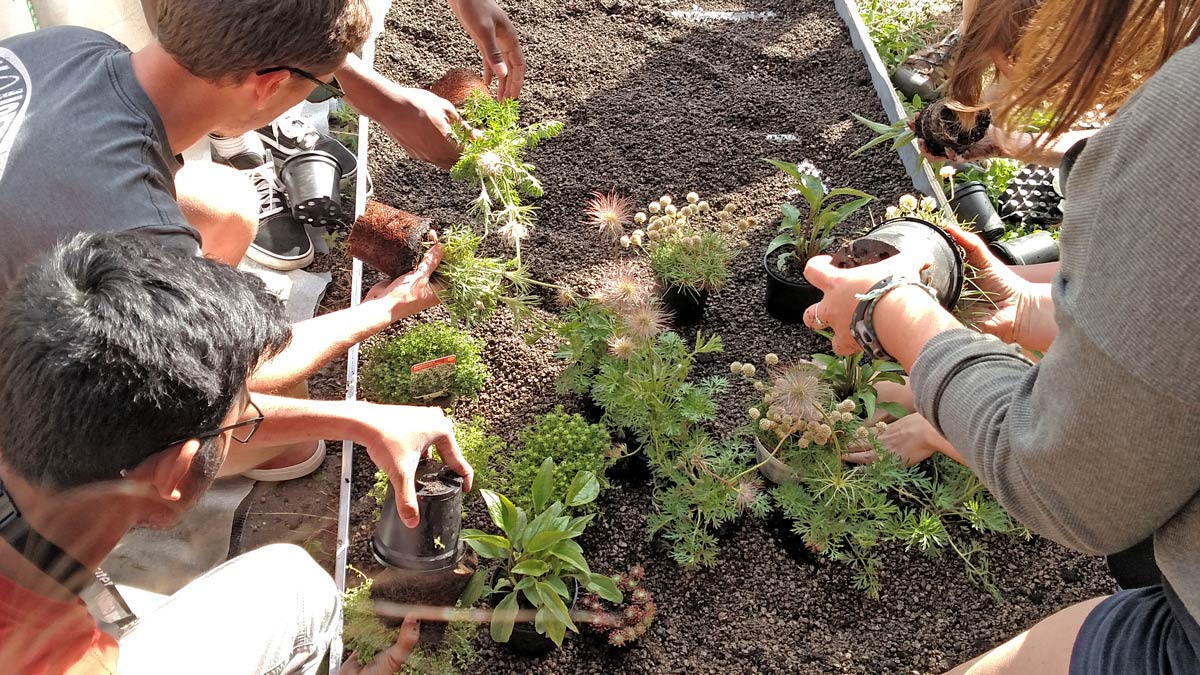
15 92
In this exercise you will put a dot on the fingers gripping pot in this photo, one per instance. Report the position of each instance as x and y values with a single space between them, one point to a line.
434 543
911 235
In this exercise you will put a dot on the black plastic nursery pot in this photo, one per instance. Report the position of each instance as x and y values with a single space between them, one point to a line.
311 178
975 210
1031 249
929 241
525 640
686 304
786 298
434 543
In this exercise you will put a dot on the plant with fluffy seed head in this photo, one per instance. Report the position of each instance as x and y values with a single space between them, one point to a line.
645 322
624 288
610 213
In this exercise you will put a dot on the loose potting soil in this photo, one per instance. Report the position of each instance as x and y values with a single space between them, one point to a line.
657 104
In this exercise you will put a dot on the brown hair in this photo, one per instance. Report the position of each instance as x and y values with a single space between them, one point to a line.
992 33
1077 54
231 39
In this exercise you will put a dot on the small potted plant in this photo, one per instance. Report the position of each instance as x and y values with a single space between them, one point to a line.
574 444
973 208
431 364
939 126
690 248
541 564
803 235
624 623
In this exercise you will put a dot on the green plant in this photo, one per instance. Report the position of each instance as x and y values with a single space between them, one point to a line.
365 634
690 246
494 146
574 444
474 286
811 234
898 28
846 512
853 378
539 555
995 178
387 374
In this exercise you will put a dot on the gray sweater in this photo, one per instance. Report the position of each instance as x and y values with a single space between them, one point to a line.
1098 446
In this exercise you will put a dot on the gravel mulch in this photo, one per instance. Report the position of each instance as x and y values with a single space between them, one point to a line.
655 104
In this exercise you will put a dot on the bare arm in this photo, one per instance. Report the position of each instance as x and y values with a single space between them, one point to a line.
318 340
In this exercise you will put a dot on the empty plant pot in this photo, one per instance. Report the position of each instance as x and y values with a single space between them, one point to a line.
911 83
787 298
945 274
457 85
434 543
686 304
388 239
941 129
774 470
1038 247
974 209
311 178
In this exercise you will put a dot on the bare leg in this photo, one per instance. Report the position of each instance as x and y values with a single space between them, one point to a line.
1044 649
222 204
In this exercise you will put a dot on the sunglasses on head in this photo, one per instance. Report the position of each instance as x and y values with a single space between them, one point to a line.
323 91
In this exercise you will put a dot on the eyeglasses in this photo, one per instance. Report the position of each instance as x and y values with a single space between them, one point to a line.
324 90
242 431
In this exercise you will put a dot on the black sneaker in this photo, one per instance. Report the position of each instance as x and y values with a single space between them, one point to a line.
289 135
282 242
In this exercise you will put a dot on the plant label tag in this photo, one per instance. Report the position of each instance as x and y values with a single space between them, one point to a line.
432 379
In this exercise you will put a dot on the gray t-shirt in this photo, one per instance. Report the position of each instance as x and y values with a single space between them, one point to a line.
1098 445
82 148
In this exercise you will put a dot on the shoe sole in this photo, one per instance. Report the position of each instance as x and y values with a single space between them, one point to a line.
275 262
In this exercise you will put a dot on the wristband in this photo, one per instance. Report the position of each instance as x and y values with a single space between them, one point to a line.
862 324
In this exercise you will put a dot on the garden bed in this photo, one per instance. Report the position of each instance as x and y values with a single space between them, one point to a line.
654 103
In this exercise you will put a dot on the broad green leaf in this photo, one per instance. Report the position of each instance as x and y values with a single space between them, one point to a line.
846 210
887 366
558 585
584 489
877 127
474 589
543 484
531 567
544 540
504 617
487 545
791 214
867 396
572 554
605 587
552 601
786 167
823 360
892 408
556 630
502 511
579 524
785 239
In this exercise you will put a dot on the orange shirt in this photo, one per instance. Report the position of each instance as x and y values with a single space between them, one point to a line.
41 636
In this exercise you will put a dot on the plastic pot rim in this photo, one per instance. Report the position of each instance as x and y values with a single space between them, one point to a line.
960 277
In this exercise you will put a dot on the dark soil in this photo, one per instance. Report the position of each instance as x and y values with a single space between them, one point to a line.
656 105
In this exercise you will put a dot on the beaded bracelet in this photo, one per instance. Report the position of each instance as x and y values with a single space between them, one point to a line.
862 325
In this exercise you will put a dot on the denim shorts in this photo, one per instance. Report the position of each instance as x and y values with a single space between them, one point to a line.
1144 631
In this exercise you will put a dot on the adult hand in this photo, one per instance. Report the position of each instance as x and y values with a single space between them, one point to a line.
397 437
493 34
390 661
841 288
991 145
911 437
422 123
412 293
995 313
